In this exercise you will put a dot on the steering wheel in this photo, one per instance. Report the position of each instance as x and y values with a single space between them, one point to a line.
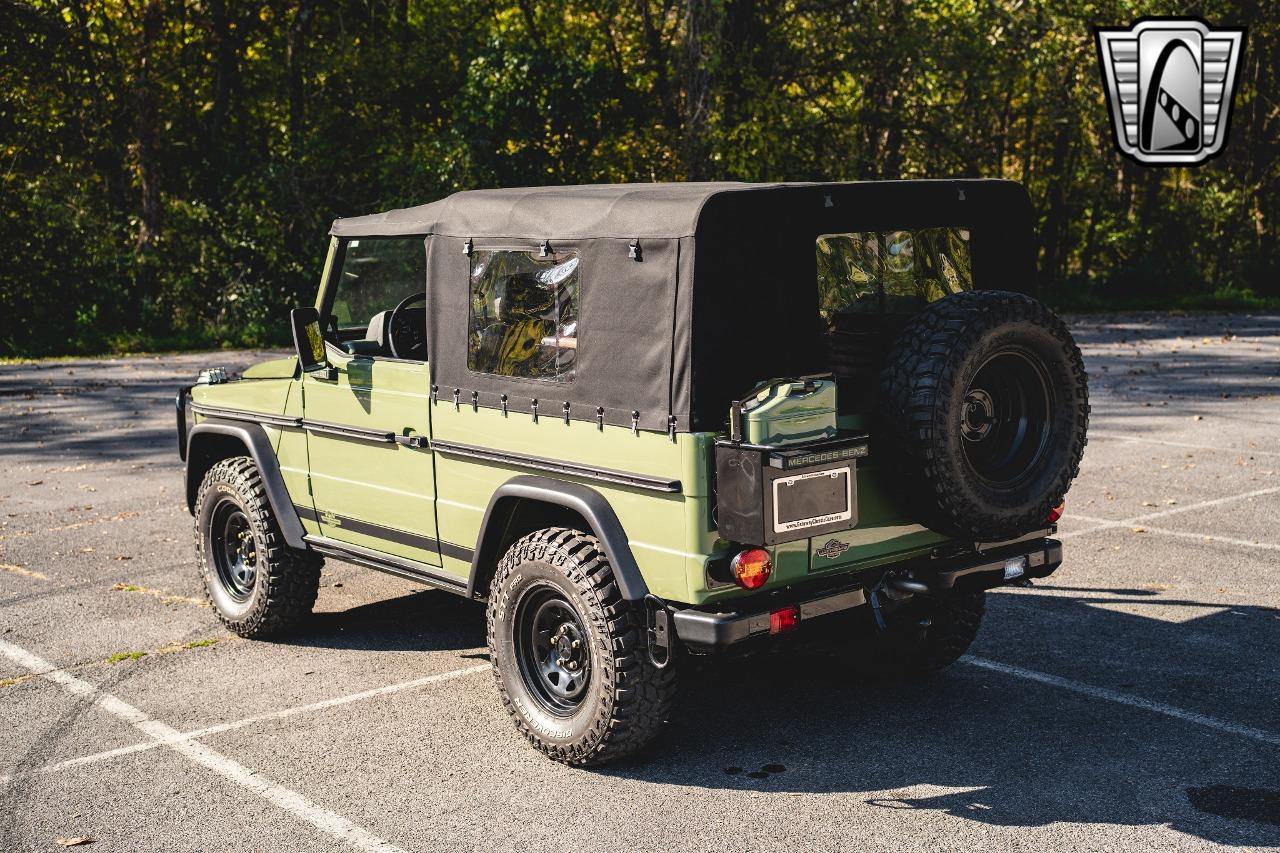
406 335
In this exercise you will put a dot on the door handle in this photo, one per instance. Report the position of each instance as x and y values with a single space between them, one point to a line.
412 440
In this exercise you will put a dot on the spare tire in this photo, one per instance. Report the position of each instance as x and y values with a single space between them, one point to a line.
983 412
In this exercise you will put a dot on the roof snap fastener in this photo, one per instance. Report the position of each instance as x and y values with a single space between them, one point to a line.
533 405
435 394
671 426
503 399
635 422
633 251
457 396
600 418
475 401
466 247
544 249
566 414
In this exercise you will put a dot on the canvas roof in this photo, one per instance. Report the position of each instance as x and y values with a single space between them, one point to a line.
662 328
569 212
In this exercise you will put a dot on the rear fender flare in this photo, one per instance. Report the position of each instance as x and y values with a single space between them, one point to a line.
601 520
258 447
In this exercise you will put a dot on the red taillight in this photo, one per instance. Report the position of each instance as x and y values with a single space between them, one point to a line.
751 568
1055 513
784 619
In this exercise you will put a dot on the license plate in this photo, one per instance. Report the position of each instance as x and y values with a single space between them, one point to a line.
816 499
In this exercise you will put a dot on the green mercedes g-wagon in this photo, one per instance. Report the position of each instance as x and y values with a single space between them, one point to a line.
647 422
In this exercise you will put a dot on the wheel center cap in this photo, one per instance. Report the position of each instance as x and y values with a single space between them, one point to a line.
978 416
567 646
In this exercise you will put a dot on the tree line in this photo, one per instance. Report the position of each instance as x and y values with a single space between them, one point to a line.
170 167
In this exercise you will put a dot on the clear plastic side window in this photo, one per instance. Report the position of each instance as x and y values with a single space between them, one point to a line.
891 272
524 314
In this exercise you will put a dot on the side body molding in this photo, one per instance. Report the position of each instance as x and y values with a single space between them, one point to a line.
587 502
259 448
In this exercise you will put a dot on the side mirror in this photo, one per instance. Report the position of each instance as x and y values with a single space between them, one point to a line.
308 340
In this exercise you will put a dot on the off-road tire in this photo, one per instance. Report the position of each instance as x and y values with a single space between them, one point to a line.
627 698
922 397
906 650
287 580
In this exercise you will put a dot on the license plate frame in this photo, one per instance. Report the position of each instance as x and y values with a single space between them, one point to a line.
834 517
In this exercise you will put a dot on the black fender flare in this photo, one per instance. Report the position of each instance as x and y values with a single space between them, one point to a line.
585 501
258 447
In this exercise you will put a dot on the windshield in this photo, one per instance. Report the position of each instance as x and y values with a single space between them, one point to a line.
376 275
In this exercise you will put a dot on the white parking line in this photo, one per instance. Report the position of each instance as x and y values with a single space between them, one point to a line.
321 818
1104 523
1139 519
1239 451
1124 699
247 721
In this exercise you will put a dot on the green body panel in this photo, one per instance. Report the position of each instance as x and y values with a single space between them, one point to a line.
269 387
269 395
655 522
291 454
385 484
276 368
883 535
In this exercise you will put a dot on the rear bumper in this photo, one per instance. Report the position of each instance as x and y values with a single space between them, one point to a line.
710 631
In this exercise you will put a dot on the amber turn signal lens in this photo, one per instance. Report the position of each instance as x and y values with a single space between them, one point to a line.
751 568
1055 513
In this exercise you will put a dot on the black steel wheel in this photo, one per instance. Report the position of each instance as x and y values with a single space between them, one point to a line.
1005 420
235 552
257 585
569 653
555 660
984 409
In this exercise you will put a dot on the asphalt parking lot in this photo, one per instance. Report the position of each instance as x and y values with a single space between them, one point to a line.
1129 702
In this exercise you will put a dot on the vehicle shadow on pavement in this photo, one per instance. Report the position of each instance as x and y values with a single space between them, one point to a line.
423 620
989 747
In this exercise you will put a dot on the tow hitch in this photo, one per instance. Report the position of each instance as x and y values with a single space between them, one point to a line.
1016 568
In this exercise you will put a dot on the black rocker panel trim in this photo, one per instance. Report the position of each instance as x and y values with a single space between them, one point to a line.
390 534
258 447
398 566
587 502
539 463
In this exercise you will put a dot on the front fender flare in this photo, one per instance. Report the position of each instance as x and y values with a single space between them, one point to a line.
258 447
585 501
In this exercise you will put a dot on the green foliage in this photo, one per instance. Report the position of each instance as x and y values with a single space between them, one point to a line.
168 168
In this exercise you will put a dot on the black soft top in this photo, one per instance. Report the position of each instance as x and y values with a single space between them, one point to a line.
721 294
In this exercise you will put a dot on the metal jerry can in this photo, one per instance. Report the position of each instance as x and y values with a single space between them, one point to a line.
790 412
